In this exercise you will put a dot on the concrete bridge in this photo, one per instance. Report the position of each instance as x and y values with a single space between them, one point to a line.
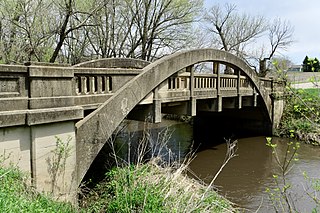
54 119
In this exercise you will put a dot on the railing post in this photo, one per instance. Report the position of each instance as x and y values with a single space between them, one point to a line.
99 84
156 106
192 108
219 97
84 88
238 89
255 97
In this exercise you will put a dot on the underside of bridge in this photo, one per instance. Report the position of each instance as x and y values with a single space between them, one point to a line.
233 121
230 124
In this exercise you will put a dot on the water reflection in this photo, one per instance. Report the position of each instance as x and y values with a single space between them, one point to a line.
246 177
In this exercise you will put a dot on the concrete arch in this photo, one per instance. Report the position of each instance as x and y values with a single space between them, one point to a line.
93 131
115 63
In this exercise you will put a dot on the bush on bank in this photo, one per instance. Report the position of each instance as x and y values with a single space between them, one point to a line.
301 116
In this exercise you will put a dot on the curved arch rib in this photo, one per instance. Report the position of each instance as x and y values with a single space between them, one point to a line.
94 130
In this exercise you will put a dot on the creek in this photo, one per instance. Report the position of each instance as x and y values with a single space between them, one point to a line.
243 180
246 176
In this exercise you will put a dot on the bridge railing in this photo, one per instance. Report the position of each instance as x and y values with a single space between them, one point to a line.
93 86
13 88
37 86
266 83
206 81
180 82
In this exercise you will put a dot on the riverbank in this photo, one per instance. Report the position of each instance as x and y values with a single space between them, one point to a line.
150 187
153 187
301 117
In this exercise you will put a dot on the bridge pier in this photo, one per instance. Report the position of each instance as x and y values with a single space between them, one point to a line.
277 103
46 153
44 148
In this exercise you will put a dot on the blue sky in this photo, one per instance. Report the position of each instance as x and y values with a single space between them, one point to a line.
303 15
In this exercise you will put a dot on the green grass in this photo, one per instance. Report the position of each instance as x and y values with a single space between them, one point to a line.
16 196
140 188
301 115
151 188
313 91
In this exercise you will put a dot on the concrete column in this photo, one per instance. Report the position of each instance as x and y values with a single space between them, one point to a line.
255 97
219 97
238 89
277 104
156 106
193 103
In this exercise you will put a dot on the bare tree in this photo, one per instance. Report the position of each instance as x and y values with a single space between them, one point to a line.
27 32
162 26
74 30
233 31
144 29
280 38
71 18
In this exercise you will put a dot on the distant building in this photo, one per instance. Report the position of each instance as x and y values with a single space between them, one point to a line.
295 68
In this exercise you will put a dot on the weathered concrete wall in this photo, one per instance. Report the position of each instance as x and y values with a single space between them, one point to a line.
15 147
51 166
54 159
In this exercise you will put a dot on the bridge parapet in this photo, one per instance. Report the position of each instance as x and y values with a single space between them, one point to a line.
26 89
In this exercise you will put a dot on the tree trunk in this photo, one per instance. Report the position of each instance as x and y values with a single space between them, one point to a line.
263 67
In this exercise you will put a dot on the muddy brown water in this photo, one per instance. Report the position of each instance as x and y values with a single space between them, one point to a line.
245 178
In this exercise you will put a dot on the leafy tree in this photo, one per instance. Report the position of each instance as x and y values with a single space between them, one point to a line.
316 65
310 64
305 66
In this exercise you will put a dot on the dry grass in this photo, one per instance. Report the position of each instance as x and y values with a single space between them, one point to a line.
154 187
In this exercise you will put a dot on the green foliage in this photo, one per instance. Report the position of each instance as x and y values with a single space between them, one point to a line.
16 196
310 64
280 195
301 114
57 163
151 188
312 188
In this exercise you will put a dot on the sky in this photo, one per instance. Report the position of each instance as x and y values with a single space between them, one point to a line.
303 15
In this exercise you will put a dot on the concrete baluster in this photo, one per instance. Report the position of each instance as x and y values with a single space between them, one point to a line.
84 88
99 85
192 108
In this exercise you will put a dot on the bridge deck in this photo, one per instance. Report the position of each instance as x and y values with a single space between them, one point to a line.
25 90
